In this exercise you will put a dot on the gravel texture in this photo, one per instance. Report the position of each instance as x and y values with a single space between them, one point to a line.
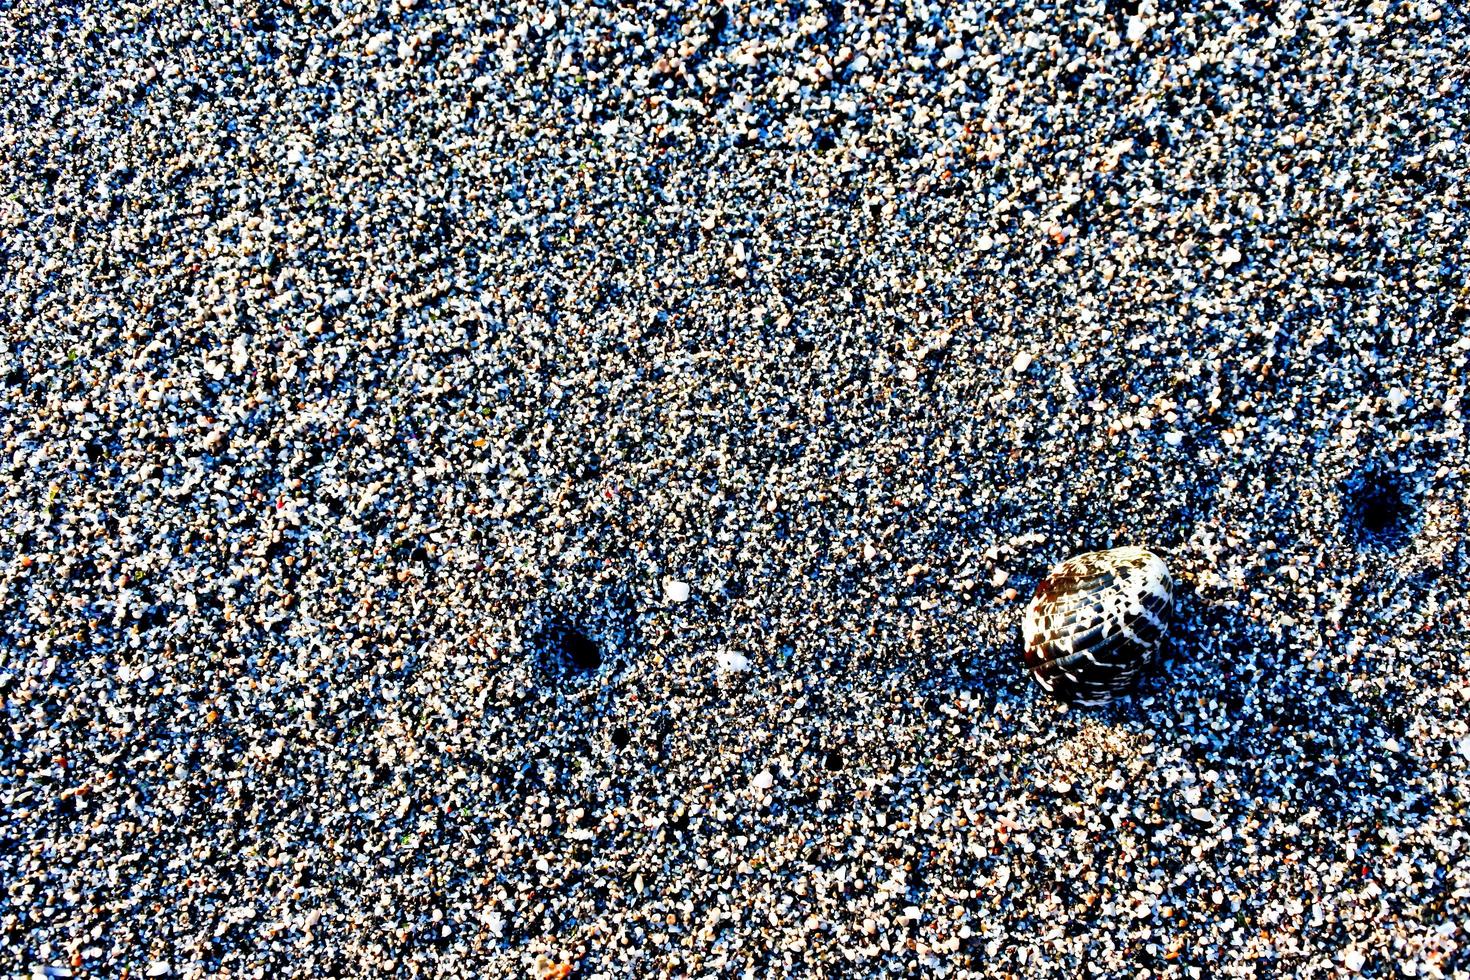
496 490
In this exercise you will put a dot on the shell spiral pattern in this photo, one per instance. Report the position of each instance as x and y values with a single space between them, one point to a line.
1096 623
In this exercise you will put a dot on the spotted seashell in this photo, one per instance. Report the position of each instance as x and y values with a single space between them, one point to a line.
1096 622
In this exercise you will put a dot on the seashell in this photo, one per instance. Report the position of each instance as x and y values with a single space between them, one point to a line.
1096 623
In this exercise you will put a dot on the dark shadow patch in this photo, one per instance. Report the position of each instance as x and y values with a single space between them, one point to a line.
1303 738
1378 507
580 651
563 649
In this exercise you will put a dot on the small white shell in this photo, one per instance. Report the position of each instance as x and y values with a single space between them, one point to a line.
1096 623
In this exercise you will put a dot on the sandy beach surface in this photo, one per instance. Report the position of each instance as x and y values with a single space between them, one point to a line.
503 490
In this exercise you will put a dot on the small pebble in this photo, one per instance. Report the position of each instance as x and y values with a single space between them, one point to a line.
729 660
